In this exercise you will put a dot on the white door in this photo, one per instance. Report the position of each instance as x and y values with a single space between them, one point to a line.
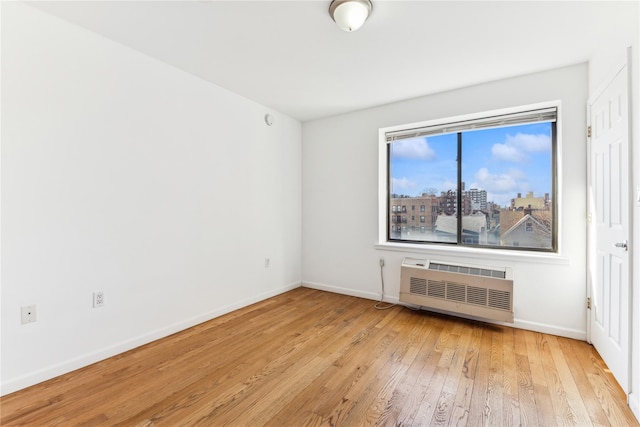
608 184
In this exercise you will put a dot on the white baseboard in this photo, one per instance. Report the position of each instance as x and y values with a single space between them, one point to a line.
50 372
526 325
634 404
520 324
351 292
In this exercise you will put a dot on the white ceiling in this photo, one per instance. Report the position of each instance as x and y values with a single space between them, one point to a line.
290 56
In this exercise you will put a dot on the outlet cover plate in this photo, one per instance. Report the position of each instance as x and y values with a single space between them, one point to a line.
98 299
28 314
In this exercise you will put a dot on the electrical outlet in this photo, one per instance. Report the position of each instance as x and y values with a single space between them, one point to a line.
381 262
98 299
28 314
267 261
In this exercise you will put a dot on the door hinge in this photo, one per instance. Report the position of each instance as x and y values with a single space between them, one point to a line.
589 303
588 131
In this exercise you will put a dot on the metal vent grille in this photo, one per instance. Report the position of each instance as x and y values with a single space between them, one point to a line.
499 299
456 292
476 295
418 286
460 292
437 289
482 272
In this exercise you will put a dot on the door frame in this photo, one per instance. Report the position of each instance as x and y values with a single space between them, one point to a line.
623 65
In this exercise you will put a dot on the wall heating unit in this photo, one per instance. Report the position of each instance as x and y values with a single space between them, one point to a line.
472 290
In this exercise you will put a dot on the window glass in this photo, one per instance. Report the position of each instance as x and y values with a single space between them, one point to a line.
419 168
488 187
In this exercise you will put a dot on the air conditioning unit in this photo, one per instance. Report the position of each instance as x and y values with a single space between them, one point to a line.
473 290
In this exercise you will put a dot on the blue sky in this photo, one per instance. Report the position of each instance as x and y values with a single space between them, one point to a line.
503 161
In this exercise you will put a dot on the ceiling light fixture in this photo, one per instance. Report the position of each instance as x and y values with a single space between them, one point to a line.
350 14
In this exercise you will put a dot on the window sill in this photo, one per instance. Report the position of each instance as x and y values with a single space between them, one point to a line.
476 253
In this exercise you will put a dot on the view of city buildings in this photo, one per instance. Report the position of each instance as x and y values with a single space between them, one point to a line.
527 222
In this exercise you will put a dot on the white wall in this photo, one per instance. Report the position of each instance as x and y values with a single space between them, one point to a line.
123 174
340 200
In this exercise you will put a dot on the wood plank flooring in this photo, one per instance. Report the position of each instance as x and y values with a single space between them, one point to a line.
312 358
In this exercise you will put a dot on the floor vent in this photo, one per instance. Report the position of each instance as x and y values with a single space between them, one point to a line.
480 291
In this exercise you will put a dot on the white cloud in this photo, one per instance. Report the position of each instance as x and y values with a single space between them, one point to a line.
508 153
516 147
413 149
497 183
402 185
448 185
530 143
502 187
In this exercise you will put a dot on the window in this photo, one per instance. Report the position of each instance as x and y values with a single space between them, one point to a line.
485 178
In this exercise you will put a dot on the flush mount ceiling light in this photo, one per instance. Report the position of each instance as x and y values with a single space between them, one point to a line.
350 14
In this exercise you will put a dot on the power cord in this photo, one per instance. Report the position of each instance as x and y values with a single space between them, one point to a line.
378 305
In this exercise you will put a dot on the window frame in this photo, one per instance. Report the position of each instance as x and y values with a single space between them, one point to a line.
384 179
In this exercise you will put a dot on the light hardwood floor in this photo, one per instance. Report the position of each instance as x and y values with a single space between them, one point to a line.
307 358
